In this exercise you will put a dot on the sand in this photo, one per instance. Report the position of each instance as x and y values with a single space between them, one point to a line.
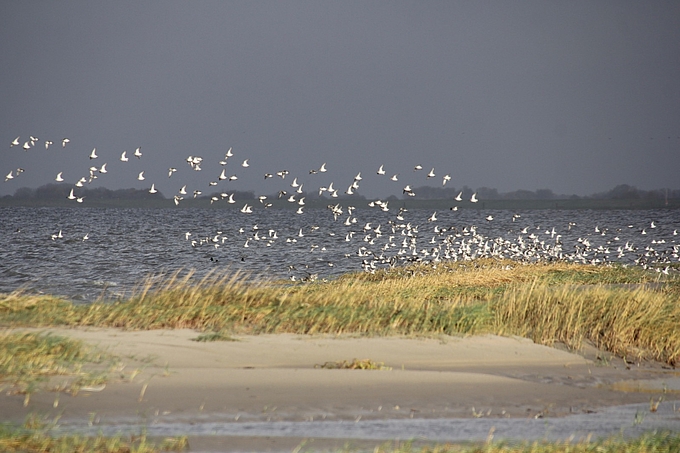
167 377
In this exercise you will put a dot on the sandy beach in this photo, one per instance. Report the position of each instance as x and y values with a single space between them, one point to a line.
165 377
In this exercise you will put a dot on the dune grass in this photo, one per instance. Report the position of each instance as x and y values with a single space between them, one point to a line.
652 442
625 310
35 436
28 360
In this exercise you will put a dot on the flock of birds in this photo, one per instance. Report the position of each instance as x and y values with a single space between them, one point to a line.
397 239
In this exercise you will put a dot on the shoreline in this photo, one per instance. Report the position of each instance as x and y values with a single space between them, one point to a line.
168 378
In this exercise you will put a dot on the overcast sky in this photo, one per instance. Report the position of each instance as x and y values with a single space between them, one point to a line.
574 96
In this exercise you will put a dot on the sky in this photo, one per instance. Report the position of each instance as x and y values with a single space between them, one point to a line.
576 97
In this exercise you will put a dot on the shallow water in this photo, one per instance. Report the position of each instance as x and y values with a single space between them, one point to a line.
123 246
629 420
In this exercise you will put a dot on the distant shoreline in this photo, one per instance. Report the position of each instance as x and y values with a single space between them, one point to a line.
437 204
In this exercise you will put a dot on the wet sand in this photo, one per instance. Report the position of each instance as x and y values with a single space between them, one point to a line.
168 378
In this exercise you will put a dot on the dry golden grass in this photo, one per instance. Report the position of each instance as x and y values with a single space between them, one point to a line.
546 302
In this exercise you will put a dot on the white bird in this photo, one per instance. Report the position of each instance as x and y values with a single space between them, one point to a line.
141 176
123 158
323 168
93 154
9 176
459 197
15 142
48 143
295 183
80 199
81 182
358 177
71 196
300 210
431 174
171 170
233 178
473 198
86 237
394 177
417 167
447 178
26 146
183 190
64 141
381 170
245 163
138 152
229 154
489 218
231 199
223 175
247 209
59 178
433 217
103 169
153 189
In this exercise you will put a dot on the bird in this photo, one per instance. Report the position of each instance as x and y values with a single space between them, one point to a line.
459 197
431 174
138 152
183 190
417 167
153 189
473 198
64 141
223 175
323 168
123 158
15 142
381 170
103 169
48 143
245 164
171 170
59 178
26 146
447 178
394 177
71 196
141 176
93 154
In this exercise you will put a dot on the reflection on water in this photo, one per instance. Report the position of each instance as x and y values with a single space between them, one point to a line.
125 245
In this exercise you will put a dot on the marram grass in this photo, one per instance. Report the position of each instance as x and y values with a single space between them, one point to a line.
28 358
609 305
652 442
37 437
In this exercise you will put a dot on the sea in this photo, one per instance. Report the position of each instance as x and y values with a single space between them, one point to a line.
87 254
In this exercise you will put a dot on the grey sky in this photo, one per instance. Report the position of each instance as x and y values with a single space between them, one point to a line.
574 96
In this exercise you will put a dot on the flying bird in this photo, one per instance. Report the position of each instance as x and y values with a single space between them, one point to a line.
141 176
473 198
15 142
64 141
93 154
153 189
381 170
59 178
124 158
138 152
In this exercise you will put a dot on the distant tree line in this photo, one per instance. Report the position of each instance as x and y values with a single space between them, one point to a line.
621 192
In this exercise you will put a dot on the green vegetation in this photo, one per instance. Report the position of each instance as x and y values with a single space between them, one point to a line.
654 442
30 359
36 437
625 310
